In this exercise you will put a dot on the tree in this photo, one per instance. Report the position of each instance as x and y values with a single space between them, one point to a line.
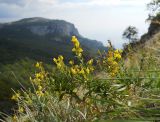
154 8
131 33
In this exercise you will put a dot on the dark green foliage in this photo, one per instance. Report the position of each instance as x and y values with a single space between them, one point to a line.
130 33
14 76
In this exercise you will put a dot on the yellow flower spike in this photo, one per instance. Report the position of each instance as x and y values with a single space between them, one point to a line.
77 49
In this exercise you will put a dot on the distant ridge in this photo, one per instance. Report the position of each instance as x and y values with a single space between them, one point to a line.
41 39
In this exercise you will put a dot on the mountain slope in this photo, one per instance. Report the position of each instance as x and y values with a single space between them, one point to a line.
147 48
41 39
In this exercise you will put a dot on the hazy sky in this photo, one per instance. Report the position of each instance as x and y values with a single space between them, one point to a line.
95 19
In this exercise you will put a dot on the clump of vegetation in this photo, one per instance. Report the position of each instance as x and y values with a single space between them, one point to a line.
131 34
75 92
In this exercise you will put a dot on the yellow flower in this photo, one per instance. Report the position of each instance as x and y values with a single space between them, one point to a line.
73 71
112 74
110 54
60 58
40 87
15 118
74 39
91 69
82 71
20 110
16 96
37 64
90 62
77 49
114 63
55 60
59 65
77 44
59 61
110 59
40 93
74 49
39 76
30 78
116 51
121 51
71 62
87 70
28 101
79 54
117 55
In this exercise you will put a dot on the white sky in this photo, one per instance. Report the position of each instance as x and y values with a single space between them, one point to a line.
95 19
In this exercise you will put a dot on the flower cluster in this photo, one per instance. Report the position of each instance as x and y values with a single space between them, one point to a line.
59 62
39 79
77 49
40 92
81 69
110 61
113 58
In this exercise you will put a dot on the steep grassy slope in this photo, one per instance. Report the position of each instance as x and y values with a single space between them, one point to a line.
140 51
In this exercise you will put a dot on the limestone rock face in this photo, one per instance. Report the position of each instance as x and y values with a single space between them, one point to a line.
42 26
